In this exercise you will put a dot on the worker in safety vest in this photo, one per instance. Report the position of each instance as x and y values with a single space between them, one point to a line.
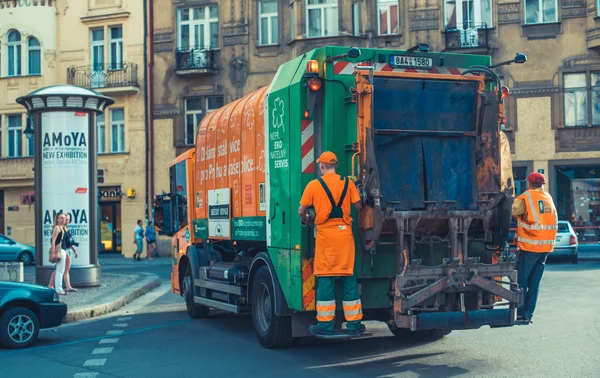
331 196
536 232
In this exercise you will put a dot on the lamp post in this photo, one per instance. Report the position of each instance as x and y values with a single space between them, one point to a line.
62 123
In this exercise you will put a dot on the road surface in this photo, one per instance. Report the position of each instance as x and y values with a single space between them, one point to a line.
153 337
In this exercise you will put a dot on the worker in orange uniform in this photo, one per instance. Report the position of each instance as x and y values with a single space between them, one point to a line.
331 196
537 225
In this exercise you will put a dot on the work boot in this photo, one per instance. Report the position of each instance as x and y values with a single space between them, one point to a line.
318 331
357 332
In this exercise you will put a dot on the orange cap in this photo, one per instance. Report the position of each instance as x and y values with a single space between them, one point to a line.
327 157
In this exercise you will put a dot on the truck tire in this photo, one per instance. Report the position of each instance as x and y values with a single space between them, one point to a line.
194 310
273 331
19 328
407 334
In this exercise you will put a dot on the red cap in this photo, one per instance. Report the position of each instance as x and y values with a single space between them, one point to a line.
536 178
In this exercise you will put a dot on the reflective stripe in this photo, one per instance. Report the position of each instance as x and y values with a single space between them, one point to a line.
537 226
326 313
325 303
536 218
535 242
353 310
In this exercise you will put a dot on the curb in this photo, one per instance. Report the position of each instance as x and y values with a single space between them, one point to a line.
105 308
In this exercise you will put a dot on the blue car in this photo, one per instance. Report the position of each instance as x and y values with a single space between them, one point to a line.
24 310
11 250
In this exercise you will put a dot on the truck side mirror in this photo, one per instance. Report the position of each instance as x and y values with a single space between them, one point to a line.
520 58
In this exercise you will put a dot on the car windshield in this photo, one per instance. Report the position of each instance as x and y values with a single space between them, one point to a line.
562 227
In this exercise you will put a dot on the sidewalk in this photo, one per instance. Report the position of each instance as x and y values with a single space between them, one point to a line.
116 288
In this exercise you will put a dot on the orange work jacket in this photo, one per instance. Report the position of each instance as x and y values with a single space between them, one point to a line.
334 249
537 228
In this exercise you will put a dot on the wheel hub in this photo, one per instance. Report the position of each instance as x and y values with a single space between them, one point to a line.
20 329
264 308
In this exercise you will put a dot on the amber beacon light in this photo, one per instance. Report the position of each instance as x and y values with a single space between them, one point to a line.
312 68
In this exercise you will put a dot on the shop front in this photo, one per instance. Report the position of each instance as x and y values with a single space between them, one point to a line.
110 219
577 197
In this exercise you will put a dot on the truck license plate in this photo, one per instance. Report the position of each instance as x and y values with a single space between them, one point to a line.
411 62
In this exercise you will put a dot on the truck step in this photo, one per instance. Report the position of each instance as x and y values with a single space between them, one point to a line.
219 305
218 286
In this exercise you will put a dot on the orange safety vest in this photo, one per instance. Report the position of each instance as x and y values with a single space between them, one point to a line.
537 228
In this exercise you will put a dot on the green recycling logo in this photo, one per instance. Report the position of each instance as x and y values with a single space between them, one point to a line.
278 113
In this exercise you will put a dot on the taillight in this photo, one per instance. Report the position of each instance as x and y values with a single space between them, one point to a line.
505 91
573 240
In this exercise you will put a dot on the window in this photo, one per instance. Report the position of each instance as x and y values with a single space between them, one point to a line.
322 18
193 115
540 11
195 109
116 48
468 14
101 132
198 28
97 59
268 25
15 140
355 19
117 130
387 17
578 94
30 140
14 53
34 57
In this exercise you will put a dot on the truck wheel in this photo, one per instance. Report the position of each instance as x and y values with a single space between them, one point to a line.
19 328
273 331
407 334
194 310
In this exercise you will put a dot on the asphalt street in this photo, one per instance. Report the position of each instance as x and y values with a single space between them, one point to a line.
153 337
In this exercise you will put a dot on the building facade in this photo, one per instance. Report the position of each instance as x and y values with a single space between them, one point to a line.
97 44
207 53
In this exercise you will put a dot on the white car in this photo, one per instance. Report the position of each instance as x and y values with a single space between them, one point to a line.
566 243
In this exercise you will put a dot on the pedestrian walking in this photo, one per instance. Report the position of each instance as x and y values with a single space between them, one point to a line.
537 226
150 240
331 196
57 254
138 240
68 244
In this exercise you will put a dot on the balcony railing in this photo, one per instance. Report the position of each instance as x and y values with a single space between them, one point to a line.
120 75
198 59
470 36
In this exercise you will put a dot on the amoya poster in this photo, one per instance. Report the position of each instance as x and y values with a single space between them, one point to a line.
65 178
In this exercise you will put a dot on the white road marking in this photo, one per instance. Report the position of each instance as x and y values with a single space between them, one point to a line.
120 325
108 341
97 362
103 350
114 332
85 375
124 319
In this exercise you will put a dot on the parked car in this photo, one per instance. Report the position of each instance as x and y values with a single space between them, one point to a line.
566 244
24 310
11 250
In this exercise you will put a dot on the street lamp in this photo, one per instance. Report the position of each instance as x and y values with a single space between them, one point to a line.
61 121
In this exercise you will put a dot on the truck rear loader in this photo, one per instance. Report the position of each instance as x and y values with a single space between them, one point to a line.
420 132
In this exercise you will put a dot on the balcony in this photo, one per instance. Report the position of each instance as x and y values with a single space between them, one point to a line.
471 36
112 78
196 61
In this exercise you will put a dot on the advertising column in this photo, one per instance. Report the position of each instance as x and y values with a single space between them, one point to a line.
65 179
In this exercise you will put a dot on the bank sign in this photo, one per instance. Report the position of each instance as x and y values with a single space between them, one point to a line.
65 178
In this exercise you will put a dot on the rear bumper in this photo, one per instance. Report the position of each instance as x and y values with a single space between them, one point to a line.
52 314
564 251
458 320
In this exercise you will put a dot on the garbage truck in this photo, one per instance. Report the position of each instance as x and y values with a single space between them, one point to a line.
420 133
